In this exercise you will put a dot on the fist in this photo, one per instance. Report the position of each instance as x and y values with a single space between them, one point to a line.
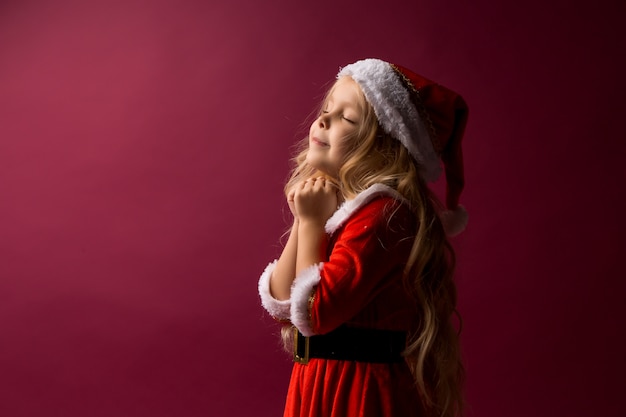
315 200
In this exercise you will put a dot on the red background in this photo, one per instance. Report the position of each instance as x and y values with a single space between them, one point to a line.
143 148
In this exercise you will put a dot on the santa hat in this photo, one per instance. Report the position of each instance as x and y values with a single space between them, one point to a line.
427 118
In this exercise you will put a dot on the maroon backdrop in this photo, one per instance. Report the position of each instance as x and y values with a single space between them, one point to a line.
143 147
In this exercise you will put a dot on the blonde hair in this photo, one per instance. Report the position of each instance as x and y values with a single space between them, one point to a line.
433 352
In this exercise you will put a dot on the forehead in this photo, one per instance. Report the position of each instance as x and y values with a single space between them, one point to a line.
347 91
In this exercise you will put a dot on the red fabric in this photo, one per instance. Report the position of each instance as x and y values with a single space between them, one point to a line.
448 113
361 285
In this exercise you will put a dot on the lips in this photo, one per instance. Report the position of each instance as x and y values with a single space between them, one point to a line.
318 142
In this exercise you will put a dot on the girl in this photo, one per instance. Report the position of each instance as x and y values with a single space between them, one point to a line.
364 282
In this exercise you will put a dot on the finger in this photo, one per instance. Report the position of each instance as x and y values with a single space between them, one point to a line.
331 190
312 182
329 186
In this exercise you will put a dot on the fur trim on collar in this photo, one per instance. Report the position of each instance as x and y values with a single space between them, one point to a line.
347 209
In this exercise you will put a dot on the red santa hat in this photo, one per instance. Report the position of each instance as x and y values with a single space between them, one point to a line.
427 118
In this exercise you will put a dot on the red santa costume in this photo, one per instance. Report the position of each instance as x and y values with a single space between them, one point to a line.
359 288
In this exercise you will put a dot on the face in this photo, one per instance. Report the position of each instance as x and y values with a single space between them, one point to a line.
337 123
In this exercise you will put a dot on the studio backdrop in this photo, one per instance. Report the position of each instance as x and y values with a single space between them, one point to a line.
143 150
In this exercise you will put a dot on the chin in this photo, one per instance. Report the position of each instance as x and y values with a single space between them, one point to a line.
313 162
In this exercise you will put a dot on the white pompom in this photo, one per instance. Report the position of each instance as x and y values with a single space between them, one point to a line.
454 221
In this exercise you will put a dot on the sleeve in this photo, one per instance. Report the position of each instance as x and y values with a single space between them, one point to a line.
303 293
279 309
372 247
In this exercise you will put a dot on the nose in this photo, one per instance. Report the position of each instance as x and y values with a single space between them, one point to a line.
323 120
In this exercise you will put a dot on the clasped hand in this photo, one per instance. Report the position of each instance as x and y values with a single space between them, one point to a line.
313 200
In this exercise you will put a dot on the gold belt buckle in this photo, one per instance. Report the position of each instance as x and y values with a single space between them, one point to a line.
297 357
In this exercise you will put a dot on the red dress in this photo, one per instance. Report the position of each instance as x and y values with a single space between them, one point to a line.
359 284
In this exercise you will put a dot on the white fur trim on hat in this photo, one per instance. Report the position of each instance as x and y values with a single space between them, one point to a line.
301 290
396 113
454 221
279 309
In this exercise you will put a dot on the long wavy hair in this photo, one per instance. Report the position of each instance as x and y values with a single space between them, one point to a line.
433 351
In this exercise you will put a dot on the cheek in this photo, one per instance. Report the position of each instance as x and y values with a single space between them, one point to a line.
343 148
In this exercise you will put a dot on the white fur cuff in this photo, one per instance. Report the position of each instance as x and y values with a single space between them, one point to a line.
300 294
279 309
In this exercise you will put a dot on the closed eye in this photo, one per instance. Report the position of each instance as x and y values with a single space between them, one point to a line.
342 116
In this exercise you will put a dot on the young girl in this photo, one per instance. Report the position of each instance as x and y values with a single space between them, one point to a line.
364 283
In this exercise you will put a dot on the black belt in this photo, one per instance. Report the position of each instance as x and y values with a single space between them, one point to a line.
351 344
